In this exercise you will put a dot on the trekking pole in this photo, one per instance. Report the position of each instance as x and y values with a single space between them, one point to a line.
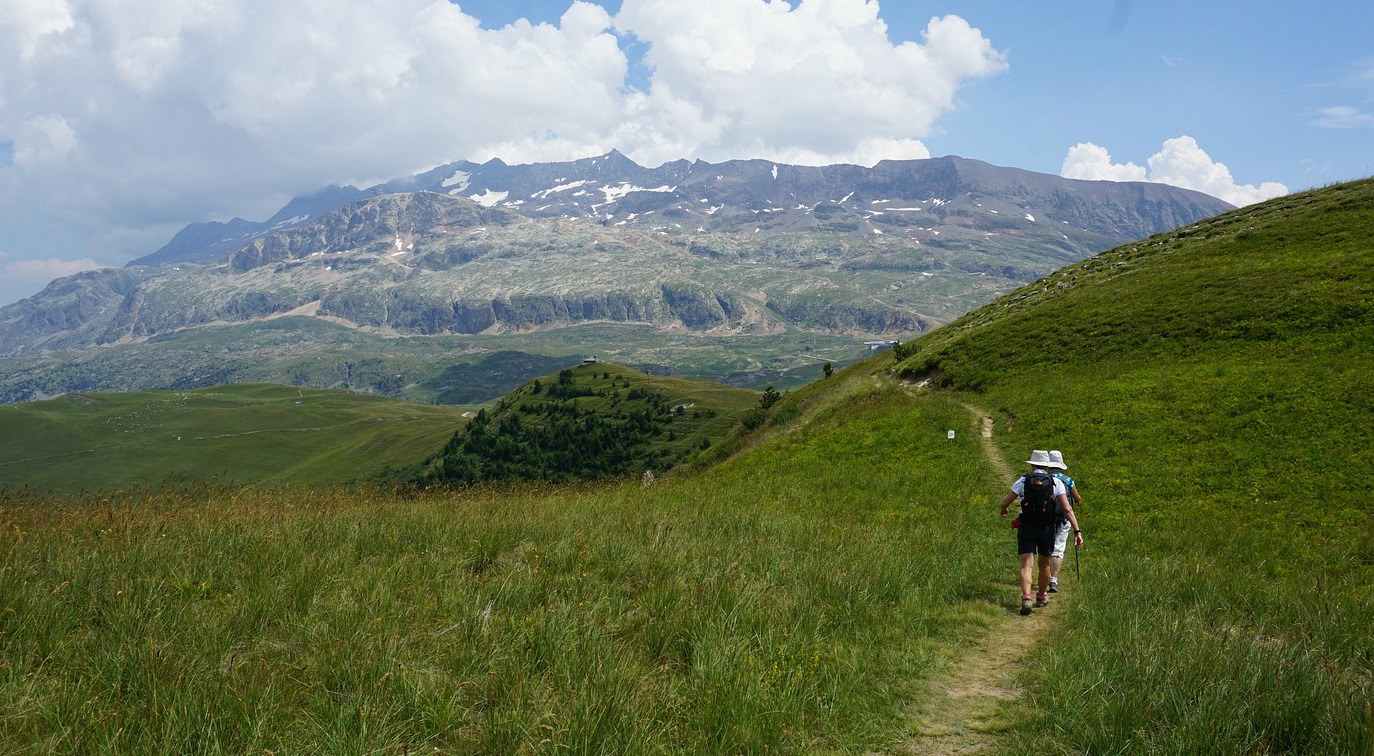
1076 575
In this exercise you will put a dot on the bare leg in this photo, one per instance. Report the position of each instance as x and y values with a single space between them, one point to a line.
1044 574
1026 561
1054 566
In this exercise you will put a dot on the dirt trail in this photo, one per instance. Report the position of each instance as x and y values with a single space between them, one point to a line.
985 426
971 703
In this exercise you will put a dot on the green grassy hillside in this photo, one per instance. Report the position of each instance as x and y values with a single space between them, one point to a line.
1233 357
256 433
1213 391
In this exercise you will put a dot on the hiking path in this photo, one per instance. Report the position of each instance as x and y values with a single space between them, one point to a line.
969 704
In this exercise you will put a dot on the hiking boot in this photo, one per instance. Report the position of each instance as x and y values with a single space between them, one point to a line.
1054 585
1041 600
1025 605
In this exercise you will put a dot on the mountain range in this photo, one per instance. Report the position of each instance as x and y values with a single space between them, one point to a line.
742 271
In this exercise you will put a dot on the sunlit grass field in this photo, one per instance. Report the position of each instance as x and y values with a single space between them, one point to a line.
240 433
1227 592
791 600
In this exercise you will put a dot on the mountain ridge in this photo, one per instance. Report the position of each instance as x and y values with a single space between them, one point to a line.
543 186
739 250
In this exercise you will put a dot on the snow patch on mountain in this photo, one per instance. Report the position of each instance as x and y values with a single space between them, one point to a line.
457 182
614 193
544 194
489 198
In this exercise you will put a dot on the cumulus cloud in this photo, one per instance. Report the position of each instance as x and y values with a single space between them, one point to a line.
44 139
818 83
24 23
121 121
1089 161
1180 162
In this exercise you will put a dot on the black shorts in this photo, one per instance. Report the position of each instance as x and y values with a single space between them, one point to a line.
1035 539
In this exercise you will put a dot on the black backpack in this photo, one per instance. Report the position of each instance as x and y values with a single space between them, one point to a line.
1039 505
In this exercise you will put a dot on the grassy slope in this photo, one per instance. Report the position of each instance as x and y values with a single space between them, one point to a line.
244 432
790 600
1211 390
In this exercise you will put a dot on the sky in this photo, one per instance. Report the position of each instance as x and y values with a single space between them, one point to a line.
122 122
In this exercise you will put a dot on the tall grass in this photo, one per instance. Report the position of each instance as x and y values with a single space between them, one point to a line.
790 600
1211 391
1196 652
1226 600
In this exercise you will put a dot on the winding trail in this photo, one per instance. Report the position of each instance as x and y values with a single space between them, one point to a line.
970 704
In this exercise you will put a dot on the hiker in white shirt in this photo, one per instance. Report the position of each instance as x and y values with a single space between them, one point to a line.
1043 502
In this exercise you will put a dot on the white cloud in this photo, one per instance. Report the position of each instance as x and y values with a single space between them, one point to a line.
1350 116
1180 162
1344 117
748 78
185 110
123 121
1089 161
28 276
44 139
46 270
25 23
866 152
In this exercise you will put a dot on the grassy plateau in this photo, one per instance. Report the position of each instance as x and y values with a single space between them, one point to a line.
801 587
245 433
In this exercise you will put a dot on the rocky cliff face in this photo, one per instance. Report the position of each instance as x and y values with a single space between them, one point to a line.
426 263
71 311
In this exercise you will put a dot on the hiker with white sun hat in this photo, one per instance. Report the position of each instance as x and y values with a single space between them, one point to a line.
1061 533
1044 500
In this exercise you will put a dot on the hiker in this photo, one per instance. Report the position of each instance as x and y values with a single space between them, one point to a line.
1043 499
1061 534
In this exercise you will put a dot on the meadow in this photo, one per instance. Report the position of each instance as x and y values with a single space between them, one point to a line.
778 602
259 434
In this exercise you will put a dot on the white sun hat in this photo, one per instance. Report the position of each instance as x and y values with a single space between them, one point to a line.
1040 458
1057 460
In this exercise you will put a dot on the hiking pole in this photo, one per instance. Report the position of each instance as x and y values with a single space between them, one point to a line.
1076 575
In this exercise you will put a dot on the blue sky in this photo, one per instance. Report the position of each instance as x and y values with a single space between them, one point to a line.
117 129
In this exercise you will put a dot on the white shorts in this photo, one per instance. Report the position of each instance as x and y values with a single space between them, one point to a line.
1061 539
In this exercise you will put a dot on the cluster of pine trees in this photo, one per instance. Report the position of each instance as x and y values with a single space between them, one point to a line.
549 435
